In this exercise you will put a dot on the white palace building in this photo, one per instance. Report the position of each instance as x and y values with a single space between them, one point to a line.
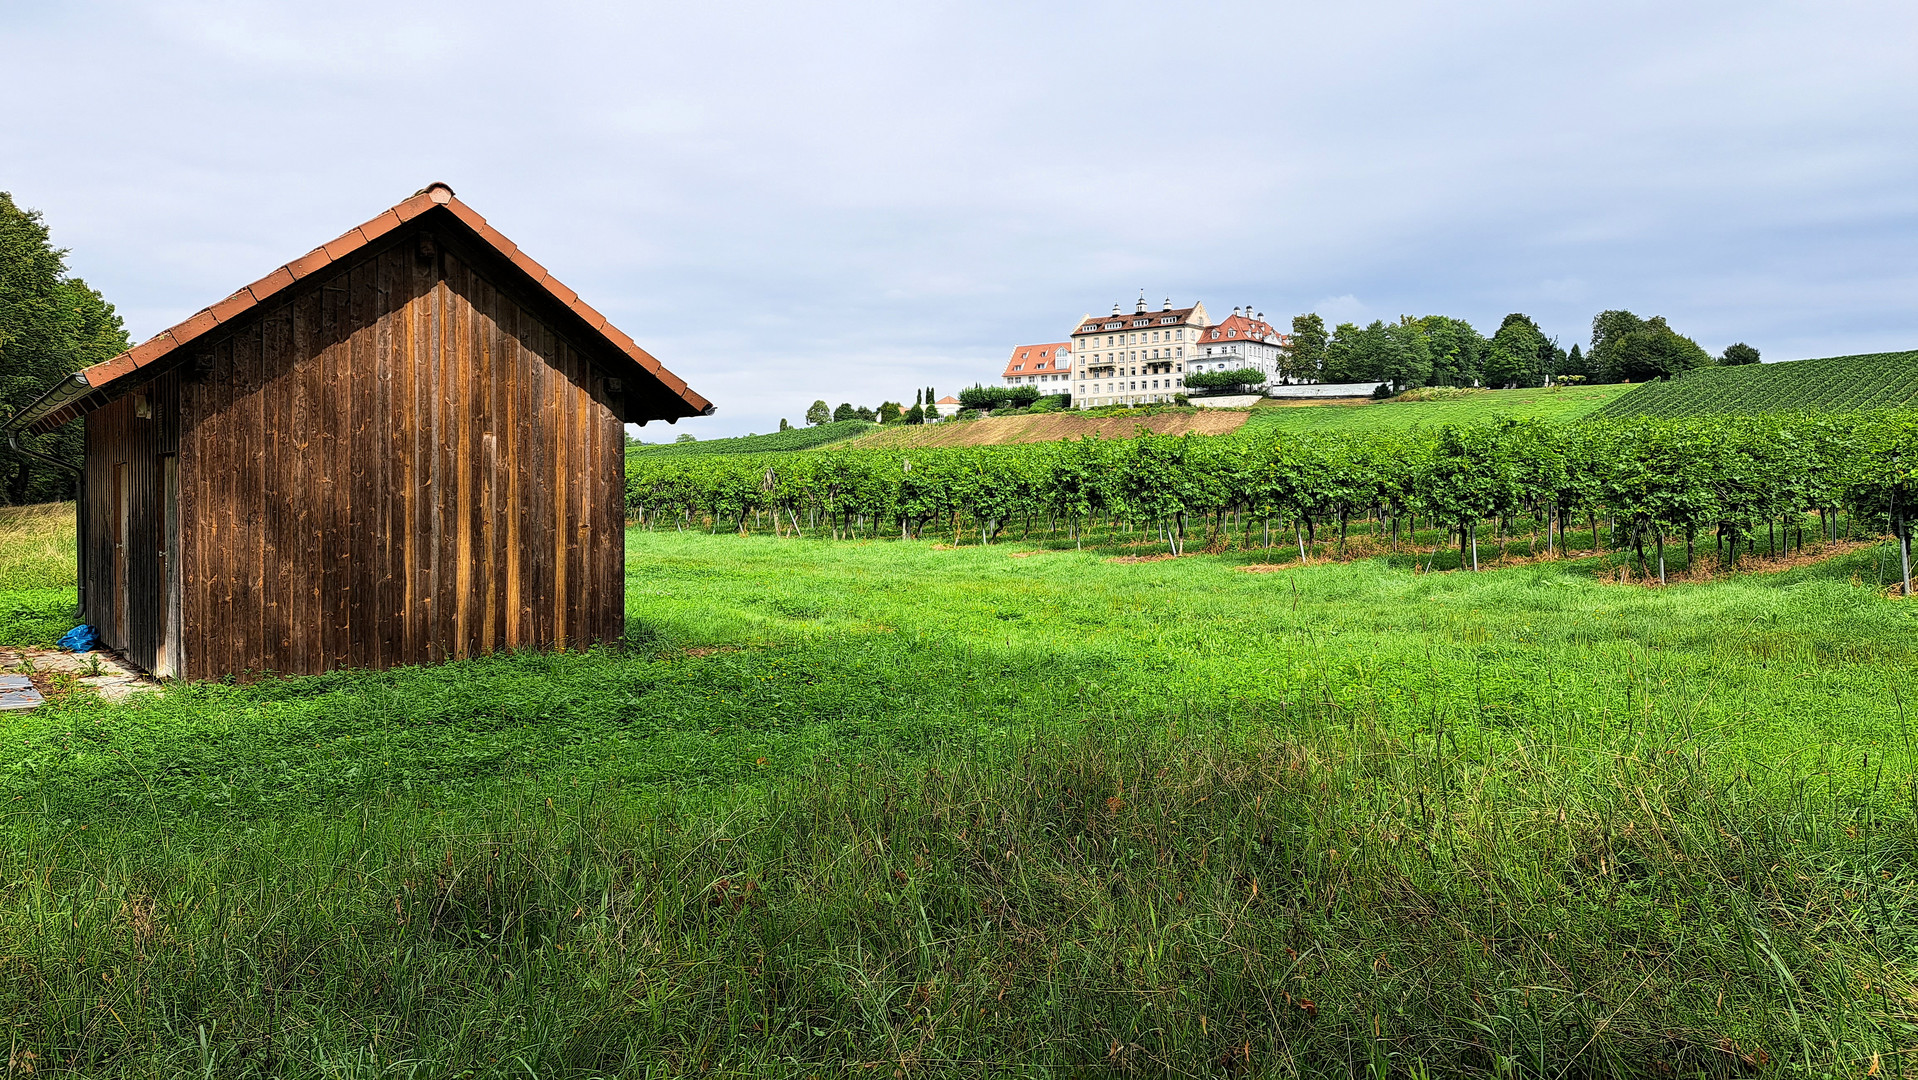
1143 357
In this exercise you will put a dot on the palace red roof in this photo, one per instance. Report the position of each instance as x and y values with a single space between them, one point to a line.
1100 323
1053 358
1240 328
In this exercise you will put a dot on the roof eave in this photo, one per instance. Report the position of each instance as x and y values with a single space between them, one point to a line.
105 378
43 413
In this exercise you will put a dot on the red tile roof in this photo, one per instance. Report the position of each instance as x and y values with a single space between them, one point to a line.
1123 321
94 386
1052 358
1240 328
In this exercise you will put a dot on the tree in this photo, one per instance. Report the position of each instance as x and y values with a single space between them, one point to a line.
1575 366
1458 350
1738 354
889 411
845 411
818 414
1405 357
784 425
866 414
1607 328
1342 365
1513 358
998 397
686 437
1551 358
1654 351
1305 362
50 325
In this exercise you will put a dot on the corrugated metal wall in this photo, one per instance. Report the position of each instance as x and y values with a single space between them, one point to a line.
395 463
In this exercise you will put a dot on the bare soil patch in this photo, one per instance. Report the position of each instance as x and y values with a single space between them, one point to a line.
1051 427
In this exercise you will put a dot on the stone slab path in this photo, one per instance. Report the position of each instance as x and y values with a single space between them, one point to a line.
52 671
17 692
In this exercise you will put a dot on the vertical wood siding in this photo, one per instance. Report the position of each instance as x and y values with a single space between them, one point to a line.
115 435
395 464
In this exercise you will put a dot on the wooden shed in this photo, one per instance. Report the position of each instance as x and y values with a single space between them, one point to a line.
404 447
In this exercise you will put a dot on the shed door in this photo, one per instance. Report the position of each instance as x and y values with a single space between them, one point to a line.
167 663
122 512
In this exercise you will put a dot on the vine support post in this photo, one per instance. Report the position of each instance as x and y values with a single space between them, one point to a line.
1903 525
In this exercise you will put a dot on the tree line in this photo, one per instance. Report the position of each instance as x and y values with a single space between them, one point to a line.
1437 350
51 324
1735 483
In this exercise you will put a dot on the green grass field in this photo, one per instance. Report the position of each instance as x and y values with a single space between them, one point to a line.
894 808
1554 404
800 438
37 595
1831 384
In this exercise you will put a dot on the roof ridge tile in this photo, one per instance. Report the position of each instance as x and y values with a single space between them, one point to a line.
48 411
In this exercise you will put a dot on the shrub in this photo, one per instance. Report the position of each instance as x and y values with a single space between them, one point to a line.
998 397
1225 382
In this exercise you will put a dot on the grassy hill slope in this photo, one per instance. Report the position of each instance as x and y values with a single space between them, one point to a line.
1051 427
1829 384
1467 407
805 438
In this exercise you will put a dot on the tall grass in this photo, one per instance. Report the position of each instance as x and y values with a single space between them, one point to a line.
1296 896
890 810
37 572
36 547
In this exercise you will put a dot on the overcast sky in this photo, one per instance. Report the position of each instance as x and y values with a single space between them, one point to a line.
847 201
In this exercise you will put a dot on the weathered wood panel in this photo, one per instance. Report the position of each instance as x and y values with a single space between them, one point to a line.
396 462
125 559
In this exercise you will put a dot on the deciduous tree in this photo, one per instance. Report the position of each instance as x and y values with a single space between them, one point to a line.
51 324
1655 351
1513 358
1306 360
1458 350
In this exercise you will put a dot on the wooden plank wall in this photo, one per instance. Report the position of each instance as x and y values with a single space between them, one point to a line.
396 464
116 435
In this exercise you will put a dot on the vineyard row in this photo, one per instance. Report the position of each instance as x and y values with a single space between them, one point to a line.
1732 478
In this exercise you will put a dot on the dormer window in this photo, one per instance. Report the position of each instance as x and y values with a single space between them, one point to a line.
1231 333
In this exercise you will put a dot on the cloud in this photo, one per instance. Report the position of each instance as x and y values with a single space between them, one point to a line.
850 199
1340 309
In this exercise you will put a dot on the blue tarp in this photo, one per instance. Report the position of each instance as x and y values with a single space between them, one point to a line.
79 639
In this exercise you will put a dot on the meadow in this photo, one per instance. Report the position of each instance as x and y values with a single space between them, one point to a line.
910 809
37 595
1434 408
